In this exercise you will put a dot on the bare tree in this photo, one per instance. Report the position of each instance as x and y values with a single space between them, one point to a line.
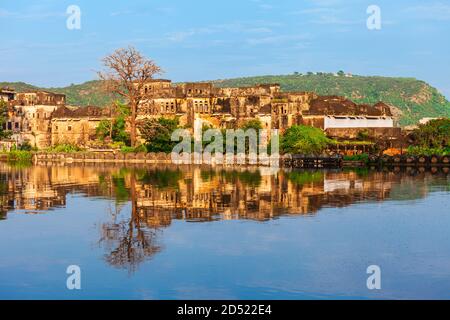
126 73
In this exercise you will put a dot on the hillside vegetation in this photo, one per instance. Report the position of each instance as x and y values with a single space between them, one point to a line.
87 93
412 99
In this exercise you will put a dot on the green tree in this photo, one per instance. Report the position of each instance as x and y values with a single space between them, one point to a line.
157 134
304 140
434 134
4 134
252 124
115 129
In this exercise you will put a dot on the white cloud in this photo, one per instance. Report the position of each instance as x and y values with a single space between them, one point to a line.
309 11
266 6
434 11
263 5
326 15
146 12
235 27
120 13
180 36
32 14
259 30
277 39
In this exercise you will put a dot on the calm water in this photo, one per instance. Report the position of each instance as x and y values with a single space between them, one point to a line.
201 233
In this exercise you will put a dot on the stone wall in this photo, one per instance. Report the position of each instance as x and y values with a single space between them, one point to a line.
43 158
375 133
77 131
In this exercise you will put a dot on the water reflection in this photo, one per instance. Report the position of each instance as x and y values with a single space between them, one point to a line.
147 200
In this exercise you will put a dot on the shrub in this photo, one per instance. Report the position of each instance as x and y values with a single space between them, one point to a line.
358 157
20 156
425 151
26 146
126 149
304 140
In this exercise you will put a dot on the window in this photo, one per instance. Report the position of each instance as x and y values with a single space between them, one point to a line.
69 128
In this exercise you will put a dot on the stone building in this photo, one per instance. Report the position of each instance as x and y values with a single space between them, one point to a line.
40 97
42 119
76 125
224 107
230 107
7 94
342 118
29 116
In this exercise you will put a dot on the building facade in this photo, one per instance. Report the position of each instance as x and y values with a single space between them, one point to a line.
76 125
29 116
7 94
43 119
230 107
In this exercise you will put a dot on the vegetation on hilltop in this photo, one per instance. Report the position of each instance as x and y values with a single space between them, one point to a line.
18 86
84 94
89 93
413 99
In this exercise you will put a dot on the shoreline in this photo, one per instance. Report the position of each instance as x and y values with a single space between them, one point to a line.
285 161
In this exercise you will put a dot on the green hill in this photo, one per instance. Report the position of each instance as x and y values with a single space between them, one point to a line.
412 99
87 93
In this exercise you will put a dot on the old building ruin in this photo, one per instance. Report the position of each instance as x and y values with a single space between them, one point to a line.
43 119
230 107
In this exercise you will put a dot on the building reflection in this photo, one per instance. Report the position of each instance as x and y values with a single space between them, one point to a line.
159 194
156 196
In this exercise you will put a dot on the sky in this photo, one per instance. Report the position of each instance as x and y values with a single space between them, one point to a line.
205 40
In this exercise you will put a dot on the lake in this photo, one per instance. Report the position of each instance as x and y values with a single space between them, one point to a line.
194 232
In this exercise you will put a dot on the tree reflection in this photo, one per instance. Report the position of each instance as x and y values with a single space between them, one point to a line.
126 239
3 196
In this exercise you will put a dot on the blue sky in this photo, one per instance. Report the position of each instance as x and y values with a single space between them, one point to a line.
202 40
